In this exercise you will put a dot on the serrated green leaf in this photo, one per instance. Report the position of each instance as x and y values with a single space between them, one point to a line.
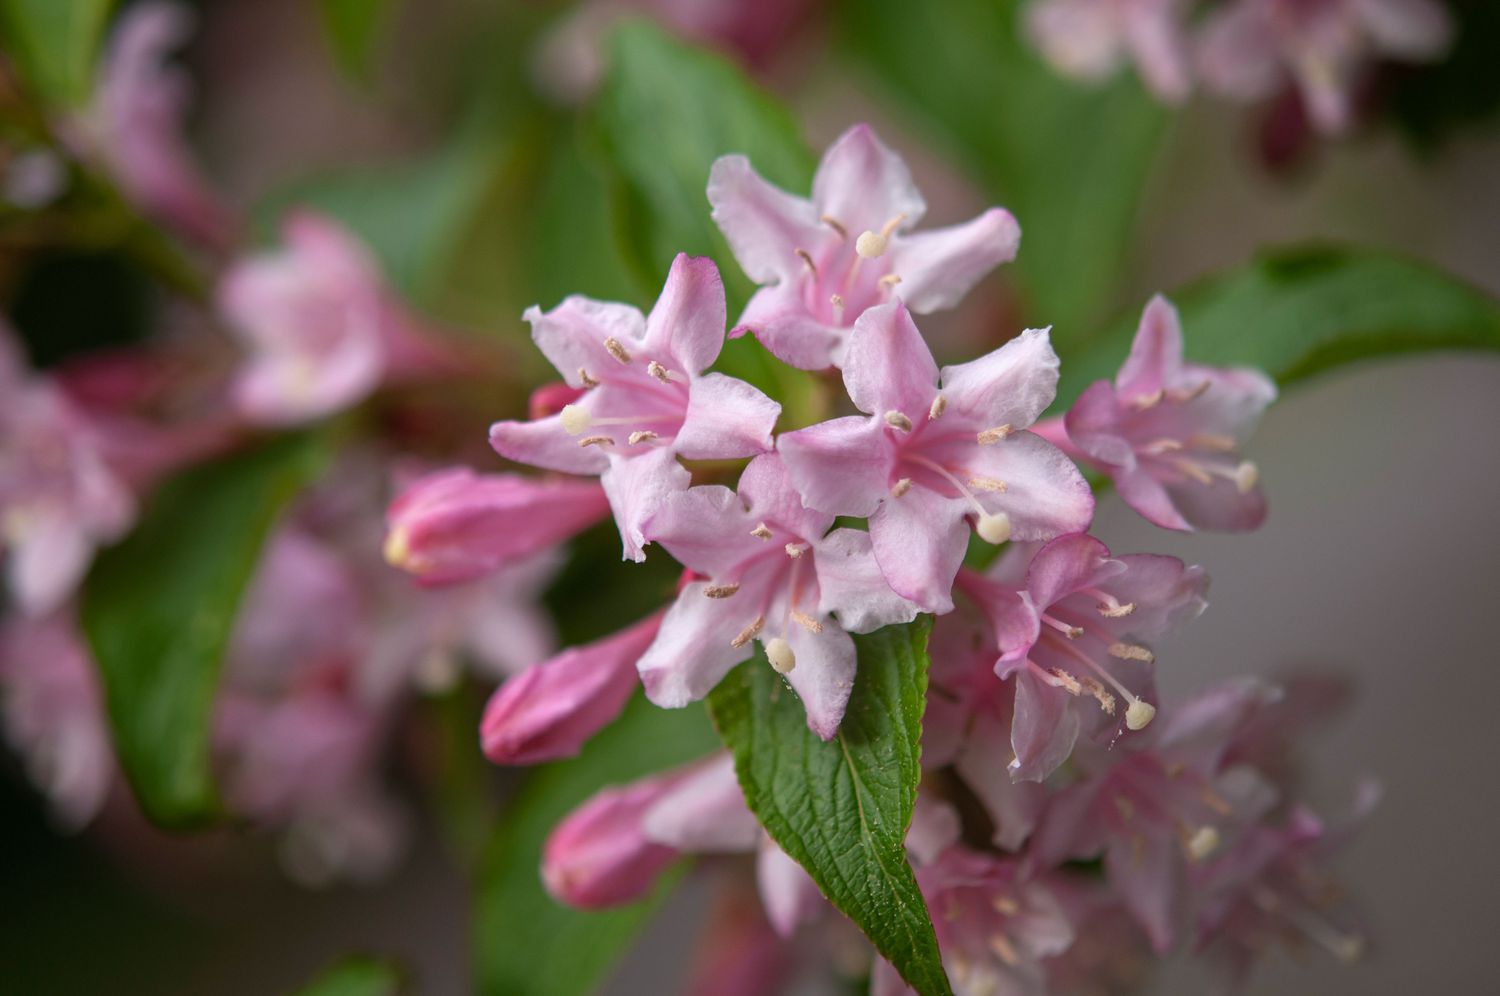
528 944
842 808
356 976
54 43
351 27
1069 159
1297 312
158 609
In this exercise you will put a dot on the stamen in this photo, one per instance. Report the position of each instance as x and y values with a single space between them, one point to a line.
807 622
575 419
838 308
749 633
993 528
901 487
588 381
397 547
1158 447
836 225
659 372
808 261
1000 944
1203 842
596 441
1109 606
870 245
1101 695
1139 714
1345 947
989 484
939 405
720 590
889 281
761 531
1005 905
1145 401
1246 475
795 550
1071 632
779 653
642 436
995 435
1183 397
1125 807
1131 652
617 349
1213 441
898 420
1195 471
1065 680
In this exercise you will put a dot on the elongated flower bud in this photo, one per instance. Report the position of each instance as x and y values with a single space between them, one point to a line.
599 856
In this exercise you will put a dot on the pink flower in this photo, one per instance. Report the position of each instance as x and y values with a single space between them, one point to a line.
456 525
316 321
773 575
551 709
823 262
1088 39
648 400
1077 628
1169 433
1248 49
134 123
59 499
939 448
54 714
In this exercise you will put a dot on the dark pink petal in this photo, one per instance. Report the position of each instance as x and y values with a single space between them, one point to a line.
695 647
598 856
842 466
551 709
863 184
938 267
764 224
919 541
888 366
1011 385
545 443
1156 354
636 488
1150 498
572 334
687 323
726 419
1067 564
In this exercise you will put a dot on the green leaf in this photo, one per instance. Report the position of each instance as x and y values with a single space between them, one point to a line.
528 944
842 808
1067 159
356 976
53 42
665 113
1297 312
352 27
158 609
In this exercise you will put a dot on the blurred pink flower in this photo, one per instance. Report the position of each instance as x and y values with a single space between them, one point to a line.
775 573
1248 49
599 855
456 525
939 448
59 499
823 262
648 400
1088 39
1169 433
135 119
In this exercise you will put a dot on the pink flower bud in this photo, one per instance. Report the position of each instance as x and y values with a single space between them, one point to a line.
599 856
455 525
549 710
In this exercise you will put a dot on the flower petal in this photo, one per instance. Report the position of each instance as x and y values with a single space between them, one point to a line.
764 224
938 267
1011 385
1044 729
572 334
545 443
695 647
1045 495
687 323
726 419
863 184
850 584
767 490
704 528
887 365
1068 564
786 890
919 541
1013 806
1155 358
841 467
778 317
704 813
636 487
824 674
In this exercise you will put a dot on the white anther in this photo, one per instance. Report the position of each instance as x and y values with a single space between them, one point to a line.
1203 842
1116 609
889 280
761 531
1140 714
576 419
870 245
1246 475
617 349
993 527
898 420
796 550
779 653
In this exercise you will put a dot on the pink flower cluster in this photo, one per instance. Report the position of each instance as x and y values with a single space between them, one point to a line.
1246 50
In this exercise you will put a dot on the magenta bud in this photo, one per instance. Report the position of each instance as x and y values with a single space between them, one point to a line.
599 855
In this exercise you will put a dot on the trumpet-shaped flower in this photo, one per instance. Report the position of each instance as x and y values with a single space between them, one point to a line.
647 400
1169 432
456 525
1088 39
939 449
823 262
771 574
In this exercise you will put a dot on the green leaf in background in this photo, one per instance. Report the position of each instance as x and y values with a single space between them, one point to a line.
158 610
842 808
1067 159
666 111
528 944
351 27
53 43
1297 312
356 976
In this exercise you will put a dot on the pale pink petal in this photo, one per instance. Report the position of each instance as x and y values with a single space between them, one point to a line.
687 323
1154 36
1147 872
572 334
1151 500
1218 507
1079 37
545 443
864 185
888 366
1095 426
938 267
767 491
1045 495
1156 353
1166 592
779 318
637 486
695 648
1014 807
919 541
48 563
1011 385
1418 30
698 527
726 419
935 827
1237 53
790 896
764 224
842 466
824 674
1067 564
704 813
850 584
1044 729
